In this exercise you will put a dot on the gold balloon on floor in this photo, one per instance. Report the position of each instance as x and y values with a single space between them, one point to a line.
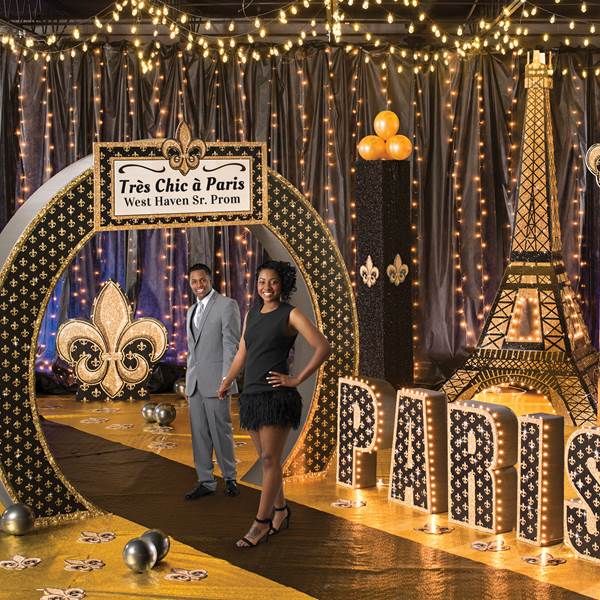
372 147
398 147
386 124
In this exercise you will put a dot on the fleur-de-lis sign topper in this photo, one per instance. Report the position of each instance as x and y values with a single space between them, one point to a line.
112 329
183 153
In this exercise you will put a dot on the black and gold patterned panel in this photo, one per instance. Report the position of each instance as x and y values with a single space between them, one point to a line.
28 470
302 231
582 514
358 428
541 479
482 481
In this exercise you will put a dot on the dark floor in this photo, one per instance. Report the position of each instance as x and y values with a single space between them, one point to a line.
321 555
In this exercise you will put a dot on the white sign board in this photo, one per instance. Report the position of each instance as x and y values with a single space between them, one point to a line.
143 187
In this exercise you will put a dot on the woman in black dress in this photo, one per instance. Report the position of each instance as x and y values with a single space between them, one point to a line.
270 404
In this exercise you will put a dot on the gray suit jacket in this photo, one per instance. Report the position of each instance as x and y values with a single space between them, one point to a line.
211 353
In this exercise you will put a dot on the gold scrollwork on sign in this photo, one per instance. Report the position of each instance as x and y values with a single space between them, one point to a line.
369 272
183 153
112 330
397 271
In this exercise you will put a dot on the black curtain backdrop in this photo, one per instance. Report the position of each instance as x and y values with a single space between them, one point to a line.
311 106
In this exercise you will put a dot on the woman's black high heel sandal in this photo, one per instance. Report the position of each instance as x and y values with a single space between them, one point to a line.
263 538
285 524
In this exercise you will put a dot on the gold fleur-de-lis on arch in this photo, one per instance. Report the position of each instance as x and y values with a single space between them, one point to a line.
183 153
111 330
369 272
397 271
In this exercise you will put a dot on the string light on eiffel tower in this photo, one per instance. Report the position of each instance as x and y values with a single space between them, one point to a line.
525 323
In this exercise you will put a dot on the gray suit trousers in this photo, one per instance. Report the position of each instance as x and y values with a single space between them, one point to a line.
210 420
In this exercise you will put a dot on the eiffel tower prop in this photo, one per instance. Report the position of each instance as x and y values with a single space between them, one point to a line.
534 335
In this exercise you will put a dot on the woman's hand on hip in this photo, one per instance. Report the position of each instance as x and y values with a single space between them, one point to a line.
281 379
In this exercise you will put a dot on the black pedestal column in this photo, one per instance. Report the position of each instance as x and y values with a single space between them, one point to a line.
384 270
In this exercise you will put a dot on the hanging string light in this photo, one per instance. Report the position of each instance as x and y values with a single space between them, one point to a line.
499 34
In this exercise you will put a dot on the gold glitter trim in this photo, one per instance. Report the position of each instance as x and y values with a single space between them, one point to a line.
299 448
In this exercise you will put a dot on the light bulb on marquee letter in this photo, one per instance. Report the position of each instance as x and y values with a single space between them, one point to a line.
418 471
365 425
582 515
482 480
541 479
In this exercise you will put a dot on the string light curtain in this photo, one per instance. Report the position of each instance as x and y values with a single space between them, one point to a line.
311 105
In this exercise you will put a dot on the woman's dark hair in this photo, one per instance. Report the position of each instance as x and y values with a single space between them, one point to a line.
287 276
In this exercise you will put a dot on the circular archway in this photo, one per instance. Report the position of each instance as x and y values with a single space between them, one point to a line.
37 246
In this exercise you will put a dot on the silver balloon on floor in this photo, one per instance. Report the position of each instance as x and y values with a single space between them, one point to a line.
139 555
17 519
159 540
148 412
164 414
179 387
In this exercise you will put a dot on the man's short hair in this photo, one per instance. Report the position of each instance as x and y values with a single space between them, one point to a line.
200 267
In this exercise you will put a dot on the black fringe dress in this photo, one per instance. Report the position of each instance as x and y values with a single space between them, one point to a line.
268 345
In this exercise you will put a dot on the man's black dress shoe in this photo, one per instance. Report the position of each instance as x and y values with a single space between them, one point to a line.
231 488
199 491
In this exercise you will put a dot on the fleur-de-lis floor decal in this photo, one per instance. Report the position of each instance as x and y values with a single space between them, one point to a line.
183 153
397 271
162 445
18 563
120 426
186 574
369 272
84 564
60 594
93 420
94 537
112 329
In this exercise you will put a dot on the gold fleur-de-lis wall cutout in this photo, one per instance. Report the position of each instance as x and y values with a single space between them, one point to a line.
397 271
112 329
183 153
369 272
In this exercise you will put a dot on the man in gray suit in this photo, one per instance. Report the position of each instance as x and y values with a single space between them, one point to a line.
213 333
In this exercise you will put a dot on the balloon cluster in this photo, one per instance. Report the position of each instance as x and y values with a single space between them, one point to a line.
387 144
163 414
142 553
17 519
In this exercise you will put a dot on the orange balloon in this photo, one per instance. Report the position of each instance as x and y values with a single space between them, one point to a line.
386 124
372 147
398 147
